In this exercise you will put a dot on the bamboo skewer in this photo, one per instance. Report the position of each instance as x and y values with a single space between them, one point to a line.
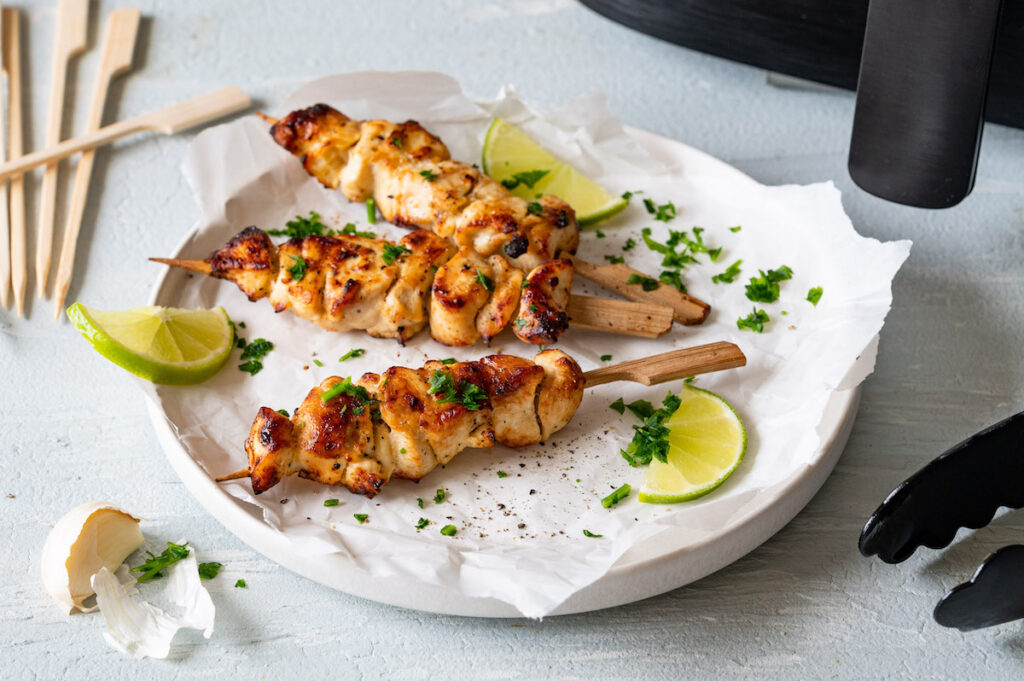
116 58
12 67
167 121
69 41
643 320
667 366
5 228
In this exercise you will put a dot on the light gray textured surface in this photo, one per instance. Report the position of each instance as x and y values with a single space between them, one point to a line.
804 605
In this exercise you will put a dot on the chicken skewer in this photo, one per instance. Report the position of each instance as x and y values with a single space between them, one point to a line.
408 175
406 422
392 290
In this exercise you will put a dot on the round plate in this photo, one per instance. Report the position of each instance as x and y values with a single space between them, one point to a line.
654 566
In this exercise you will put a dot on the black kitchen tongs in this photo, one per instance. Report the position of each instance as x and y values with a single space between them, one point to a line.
961 488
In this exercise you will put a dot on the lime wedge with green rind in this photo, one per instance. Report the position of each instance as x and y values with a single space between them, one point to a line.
165 345
707 441
509 151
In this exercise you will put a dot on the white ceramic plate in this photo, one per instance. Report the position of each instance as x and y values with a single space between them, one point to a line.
657 565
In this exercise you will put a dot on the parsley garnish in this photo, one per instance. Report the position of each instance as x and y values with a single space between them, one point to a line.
240 584
588 533
502 474
317 362
352 354
300 227
484 280
520 323
533 307
814 295
371 211
648 283
331 502
534 208
616 496
662 213
391 253
600 234
615 259
606 358
765 287
421 523
672 278
469 395
428 175
396 142
626 196
283 412
439 496
735 229
298 270
754 321
650 439
618 405
449 530
209 570
419 502
254 352
448 360
729 275
350 229
151 568
527 177
361 517
252 367
348 387
630 243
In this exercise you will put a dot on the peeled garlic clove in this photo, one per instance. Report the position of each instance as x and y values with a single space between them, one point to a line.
91 536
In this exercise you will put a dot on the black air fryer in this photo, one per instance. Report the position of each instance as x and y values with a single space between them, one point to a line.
928 73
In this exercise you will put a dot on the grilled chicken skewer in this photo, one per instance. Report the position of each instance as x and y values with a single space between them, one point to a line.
392 290
409 175
406 422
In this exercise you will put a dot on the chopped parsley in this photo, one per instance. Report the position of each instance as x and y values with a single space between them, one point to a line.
520 323
754 321
615 259
469 395
502 474
361 517
371 211
349 388
252 367
534 208
618 405
350 229
439 496
629 245
650 438
240 584
533 307
283 412
396 142
352 354
484 280
527 177
672 278
663 213
647 283
298 270
588 533
606 358
392 252
735 229
421 523
764 288
254 352
814 295
449 530
729 275
600 234
616 496
419 502
151 569
428 175
300 227
209 570
317 362
331 502
447 360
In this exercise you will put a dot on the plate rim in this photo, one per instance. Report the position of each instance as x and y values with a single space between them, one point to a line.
662 571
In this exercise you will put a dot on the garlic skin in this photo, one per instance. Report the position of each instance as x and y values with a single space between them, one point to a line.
94 535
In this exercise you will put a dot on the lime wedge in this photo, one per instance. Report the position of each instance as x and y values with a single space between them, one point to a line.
707 441
161 344
509 151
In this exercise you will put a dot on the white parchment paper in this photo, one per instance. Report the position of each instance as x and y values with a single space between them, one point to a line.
520 537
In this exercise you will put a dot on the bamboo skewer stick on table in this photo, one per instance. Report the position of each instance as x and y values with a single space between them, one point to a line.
661 368
5 228
16 198
69 41
116 58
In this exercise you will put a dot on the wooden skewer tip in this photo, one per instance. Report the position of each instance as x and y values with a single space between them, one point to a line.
237 475
200 266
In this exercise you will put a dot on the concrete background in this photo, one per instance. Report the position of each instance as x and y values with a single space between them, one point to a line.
804 605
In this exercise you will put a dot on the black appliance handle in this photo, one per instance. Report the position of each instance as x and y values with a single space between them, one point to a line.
921 99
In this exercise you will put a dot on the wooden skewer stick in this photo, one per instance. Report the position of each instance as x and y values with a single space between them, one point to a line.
12 67
5 226
668 366
643 320
688 310
116 58
167 121
69 41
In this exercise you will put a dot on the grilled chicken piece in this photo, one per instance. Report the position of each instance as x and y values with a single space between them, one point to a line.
344 282
405 422
407 171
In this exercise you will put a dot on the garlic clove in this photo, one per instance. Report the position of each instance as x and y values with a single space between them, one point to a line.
92 536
